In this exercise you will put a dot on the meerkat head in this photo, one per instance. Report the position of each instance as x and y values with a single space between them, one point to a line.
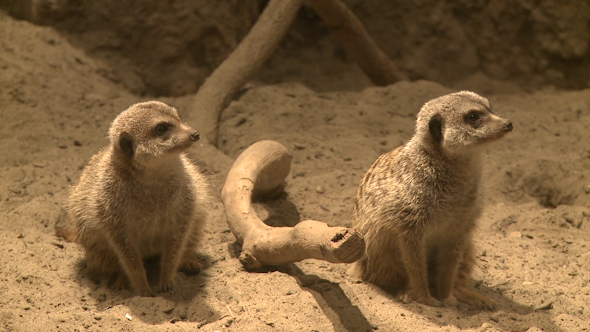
459 122
150 132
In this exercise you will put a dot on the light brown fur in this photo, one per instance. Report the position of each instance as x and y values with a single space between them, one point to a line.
417 206
140 197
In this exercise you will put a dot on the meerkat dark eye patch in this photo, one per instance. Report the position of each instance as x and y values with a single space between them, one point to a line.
474 118
435 128
162 128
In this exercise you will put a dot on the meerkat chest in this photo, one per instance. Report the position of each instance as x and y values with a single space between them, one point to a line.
156 205
155 219
457 207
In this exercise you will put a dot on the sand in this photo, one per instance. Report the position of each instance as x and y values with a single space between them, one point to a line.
56 104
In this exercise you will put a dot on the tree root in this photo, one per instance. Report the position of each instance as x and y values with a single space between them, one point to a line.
243 64
261 42
350 33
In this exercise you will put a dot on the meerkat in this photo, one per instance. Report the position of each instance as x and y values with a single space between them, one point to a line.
140 197
417 205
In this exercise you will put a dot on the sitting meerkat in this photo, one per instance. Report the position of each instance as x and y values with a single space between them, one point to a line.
140 197
417 205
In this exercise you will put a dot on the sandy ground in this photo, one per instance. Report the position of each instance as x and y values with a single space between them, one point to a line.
56 104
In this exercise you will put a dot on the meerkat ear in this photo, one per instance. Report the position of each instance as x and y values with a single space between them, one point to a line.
126 145
435 128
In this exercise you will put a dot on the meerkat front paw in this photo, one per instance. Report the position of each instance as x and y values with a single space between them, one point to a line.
121 282
408 297
451 301
145 291
474 299
165 286
190 265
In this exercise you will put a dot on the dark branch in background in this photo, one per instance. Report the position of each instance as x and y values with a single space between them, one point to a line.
243 64
350 33
262 40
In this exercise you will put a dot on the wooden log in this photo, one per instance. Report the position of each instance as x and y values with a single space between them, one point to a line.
261 170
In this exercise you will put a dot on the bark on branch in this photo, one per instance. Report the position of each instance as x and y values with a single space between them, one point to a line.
261 170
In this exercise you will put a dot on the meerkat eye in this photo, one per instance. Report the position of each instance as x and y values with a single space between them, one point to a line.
473 117
162 128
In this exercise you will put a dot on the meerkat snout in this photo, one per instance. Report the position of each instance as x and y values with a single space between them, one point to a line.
195 136
508 126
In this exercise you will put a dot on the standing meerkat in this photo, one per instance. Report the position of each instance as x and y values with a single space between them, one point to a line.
417 206
140 197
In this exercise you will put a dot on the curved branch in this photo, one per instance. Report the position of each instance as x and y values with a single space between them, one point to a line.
262 40
261 170
243 63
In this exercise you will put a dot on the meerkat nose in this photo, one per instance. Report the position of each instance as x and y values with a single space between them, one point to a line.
195 136
508 126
